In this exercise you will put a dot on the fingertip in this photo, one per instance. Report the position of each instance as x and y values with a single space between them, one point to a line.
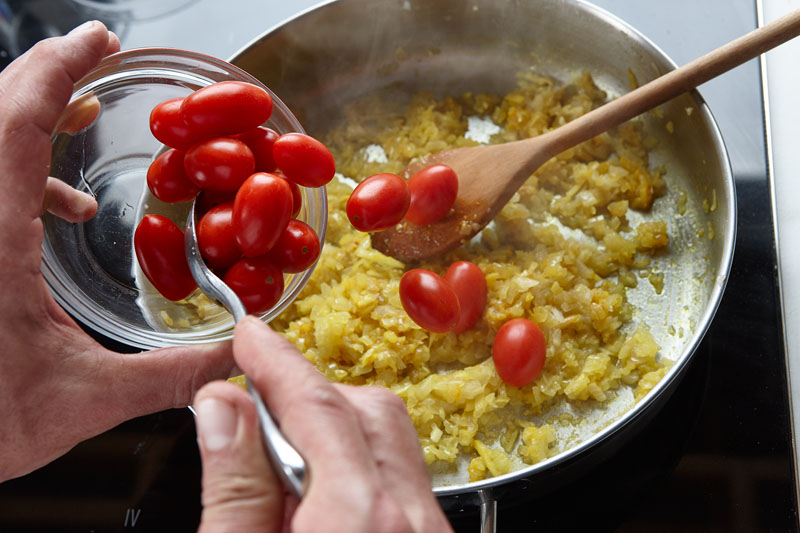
87 28
253 339
241 492
70 204
250 328
114 45
251 322
220 407
95 34
41 81
216 422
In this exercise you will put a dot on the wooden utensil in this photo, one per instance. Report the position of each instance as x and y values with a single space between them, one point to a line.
489 175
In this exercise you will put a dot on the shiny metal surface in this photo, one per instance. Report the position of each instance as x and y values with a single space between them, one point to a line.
450 47
287 461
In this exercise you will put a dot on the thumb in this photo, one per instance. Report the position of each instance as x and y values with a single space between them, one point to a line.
240 490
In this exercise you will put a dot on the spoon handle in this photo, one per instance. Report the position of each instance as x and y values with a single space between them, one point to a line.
285 459
291 466
672 84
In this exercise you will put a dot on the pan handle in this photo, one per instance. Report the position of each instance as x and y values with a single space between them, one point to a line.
489 516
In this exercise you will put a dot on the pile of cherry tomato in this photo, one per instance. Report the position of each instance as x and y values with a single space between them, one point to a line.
248 179
383 200
456 301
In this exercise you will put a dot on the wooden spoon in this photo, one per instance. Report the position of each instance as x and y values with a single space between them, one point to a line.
489 175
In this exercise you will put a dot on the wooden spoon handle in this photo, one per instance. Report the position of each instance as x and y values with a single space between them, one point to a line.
672 84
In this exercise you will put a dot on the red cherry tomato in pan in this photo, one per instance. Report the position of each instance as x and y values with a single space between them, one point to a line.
429 300
257 281
220 164
261 211
378 202
260 141
297 248
226 108
304 160
468 282
167 179
215 237
168 127
519 352
433 191
158 243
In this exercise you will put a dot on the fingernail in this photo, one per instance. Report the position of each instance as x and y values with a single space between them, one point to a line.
83 27
216 423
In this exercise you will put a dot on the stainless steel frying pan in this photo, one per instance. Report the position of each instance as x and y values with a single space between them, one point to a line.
341 50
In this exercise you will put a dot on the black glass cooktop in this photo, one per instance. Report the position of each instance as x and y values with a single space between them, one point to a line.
717 456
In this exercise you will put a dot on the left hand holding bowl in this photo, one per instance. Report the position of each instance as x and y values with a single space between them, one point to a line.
57 384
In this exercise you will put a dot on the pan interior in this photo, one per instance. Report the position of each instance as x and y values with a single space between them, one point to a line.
336 54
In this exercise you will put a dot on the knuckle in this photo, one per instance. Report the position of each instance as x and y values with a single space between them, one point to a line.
385 401
390 514
225 490
44 49
325 400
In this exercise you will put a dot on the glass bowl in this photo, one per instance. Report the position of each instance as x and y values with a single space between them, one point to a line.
91 267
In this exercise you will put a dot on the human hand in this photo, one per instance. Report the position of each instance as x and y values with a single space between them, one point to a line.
59 386
367 470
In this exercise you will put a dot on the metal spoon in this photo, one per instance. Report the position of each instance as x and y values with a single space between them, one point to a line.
285 459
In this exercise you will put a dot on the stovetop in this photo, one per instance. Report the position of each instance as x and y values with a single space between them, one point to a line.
717 457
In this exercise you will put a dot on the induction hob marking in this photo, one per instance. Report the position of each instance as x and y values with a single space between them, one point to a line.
131 516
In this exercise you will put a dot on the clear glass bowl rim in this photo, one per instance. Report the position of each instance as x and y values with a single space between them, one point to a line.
129 62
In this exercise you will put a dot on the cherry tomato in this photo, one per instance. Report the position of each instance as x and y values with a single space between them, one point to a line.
257 281
297 198
519 352
260 141
378 202
261 211
468 282
433 191
215 237
158 243
226 108
429 300
167 178
303 159
297 248
168 127
220 164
